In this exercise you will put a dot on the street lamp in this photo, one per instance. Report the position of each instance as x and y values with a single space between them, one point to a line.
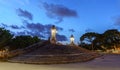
72 40
53 35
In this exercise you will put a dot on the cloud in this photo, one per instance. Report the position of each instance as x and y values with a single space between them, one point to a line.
39 34
12 26
35 33
71 30
24 13
61 37
58 11
117 20
27 32
16 27
20 33
23 30
4 25
43 31
39 29
35 29
88 30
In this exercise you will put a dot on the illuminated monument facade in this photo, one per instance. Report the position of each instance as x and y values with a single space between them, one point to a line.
72 40
53 35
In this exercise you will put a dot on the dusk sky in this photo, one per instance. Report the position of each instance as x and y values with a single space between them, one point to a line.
35 17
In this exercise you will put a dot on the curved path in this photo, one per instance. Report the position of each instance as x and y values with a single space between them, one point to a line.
106 62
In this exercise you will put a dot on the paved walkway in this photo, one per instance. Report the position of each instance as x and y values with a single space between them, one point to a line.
106 62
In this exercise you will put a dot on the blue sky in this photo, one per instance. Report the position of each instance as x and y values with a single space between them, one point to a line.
31 17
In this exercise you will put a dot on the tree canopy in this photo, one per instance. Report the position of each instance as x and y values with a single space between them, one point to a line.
108 40
88 38
15 42
23 41
5 37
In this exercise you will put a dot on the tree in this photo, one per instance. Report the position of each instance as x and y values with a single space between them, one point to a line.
108 40
99 42
36 39
88 38
5 37
20 42
112 38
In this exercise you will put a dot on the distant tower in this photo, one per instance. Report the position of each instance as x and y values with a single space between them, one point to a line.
72 40
53 35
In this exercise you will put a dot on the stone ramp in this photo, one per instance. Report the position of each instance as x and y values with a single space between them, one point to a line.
51 49
53 59
47 53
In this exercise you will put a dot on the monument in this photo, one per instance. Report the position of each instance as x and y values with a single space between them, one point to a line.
53 35
72 40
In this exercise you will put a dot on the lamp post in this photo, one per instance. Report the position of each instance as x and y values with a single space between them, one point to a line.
53 35
72 40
